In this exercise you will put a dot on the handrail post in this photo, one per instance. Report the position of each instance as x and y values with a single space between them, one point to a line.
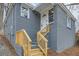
42 41
23 39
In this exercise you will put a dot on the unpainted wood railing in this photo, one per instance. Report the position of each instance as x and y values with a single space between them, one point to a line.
45 30
23 39
42 40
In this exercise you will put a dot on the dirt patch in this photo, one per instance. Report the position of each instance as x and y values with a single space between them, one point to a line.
74 51
5 47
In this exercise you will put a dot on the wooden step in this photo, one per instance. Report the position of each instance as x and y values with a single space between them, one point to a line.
36 49
36 52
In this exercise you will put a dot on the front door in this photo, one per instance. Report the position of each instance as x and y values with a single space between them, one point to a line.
44 19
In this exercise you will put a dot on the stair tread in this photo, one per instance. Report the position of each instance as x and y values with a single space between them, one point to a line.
35 49
34 46
36 52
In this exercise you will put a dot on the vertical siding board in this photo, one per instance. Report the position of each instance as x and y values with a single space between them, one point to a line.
31 25
59 38
65 36
52 35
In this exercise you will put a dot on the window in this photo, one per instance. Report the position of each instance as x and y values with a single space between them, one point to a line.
25 12
68 22
51 15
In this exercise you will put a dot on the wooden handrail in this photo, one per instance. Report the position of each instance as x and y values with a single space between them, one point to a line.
27 35
43 37
47 26
23 39
42 41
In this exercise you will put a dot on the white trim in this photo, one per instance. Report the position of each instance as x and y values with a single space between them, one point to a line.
43 6
24 12
63 7
67 11
27 5
69 22
44 22
28 12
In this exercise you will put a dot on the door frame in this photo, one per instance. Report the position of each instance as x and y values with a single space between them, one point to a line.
45 11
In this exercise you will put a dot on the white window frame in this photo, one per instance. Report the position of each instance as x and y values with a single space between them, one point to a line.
21 12
69 22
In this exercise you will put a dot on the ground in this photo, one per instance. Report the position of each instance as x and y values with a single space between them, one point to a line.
73 51
6 49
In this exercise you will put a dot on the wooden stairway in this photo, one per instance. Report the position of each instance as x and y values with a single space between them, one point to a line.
36 52
23 39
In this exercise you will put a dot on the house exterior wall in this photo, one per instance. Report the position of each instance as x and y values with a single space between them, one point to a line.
65 36
31 25
59 38
52 35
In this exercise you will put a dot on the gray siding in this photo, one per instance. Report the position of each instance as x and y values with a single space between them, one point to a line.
65 36
52 35
11 33
31 25
59 38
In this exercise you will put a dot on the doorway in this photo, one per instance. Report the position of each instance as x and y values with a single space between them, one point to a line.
44 19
